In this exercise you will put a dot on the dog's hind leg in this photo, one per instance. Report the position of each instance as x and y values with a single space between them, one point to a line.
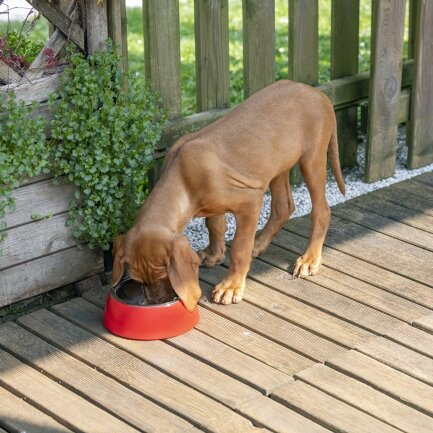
214 253
282 207
314 172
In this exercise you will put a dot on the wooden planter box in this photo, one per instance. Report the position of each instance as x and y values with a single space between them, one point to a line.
38 256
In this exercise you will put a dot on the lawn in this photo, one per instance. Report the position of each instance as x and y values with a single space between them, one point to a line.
136 55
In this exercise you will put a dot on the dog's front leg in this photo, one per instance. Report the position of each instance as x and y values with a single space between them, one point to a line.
215 252
231 288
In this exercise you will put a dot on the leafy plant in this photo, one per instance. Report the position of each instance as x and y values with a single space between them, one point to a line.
105 127
23 150
18 50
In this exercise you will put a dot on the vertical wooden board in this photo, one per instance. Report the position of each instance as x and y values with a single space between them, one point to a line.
117 28
96 25
212 53
303 41
366 399
420 131
162 51
386 379
328 411
18 415
303 50
258 44
72 410
385 83
344 62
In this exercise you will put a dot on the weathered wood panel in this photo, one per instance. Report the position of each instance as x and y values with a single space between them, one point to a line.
8 75
258 44
162 50
96 25
64 23
344 62
30 241
46 273
117 28
40 198
212 53
425 323
420 131
386 70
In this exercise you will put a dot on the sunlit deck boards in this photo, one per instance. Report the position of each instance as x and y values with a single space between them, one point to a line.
350 349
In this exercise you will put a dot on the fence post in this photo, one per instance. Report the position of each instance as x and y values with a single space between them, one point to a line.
303 50
385 83
162 51
420 125
96 25
117 28
344 62
212 53
258 44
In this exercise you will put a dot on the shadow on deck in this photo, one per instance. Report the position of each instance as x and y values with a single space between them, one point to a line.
349 350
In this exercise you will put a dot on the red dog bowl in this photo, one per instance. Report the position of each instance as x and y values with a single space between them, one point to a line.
126 316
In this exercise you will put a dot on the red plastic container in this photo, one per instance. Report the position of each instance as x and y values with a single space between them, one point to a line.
124 316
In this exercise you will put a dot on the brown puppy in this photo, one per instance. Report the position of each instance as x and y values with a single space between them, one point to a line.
227 167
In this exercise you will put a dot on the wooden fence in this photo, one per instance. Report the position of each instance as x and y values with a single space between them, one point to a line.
396 91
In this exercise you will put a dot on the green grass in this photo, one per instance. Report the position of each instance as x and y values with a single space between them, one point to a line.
136 45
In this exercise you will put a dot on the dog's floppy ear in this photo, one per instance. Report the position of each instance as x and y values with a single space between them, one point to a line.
118 264
183 272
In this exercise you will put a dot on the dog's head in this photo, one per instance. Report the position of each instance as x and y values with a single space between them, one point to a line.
162 261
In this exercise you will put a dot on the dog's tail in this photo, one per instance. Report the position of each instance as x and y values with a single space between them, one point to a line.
335 161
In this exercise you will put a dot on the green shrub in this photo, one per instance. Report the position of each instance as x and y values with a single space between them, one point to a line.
105 127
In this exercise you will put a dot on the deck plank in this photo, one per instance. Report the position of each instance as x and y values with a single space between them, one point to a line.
289 308
88 382
399 357
279 418
366 399
189 370
18 415
360 269
351 287
221 356
386 379
409 235
400 258
425 323
200 410
394 211
236 336
426 178
62 404
327 410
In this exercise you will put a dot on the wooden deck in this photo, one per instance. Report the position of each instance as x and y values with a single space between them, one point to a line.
349 350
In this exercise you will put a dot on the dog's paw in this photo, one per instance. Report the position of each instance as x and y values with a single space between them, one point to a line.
228 292
210 258
307 266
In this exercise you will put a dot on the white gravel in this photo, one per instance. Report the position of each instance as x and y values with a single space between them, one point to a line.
355 186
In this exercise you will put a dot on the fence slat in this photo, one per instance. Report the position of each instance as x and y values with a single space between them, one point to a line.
344 62
162 50
303 41
96 25
303 50
117 28
420 127
386 71
212 53
258 44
